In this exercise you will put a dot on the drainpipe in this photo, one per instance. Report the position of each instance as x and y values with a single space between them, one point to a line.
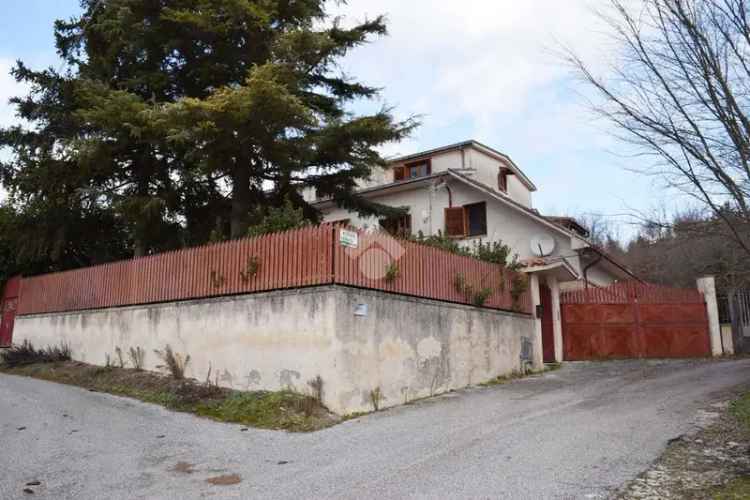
444 184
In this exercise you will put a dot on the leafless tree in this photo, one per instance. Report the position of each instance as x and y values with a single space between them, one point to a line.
694 244
679 92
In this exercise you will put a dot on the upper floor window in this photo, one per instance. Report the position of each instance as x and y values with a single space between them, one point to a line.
502 179
413 170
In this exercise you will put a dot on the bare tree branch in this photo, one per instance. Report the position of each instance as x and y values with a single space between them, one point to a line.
680 94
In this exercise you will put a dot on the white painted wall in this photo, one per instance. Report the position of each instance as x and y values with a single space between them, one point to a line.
597 276
486 169
409 348
504 223
440 163
427 207
479 165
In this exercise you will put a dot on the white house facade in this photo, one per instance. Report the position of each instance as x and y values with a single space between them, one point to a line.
472 192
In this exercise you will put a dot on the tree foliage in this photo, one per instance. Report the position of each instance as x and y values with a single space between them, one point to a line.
179 121
692 245
277 219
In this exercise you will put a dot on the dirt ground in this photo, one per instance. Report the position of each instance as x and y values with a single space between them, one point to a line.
710 461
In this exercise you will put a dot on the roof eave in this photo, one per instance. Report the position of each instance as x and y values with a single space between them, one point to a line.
470 143
386 187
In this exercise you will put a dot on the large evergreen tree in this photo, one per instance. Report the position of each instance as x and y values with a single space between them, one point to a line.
234 96
53 218
178 120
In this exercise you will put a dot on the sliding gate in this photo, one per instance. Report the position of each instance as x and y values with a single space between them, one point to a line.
634 320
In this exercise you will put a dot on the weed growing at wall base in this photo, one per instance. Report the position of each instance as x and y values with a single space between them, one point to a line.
26 354
283 410
137 357
174 362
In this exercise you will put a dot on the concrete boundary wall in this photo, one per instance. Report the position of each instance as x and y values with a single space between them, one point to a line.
356 340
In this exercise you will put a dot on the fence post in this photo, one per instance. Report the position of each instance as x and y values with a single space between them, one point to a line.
556 317
707 285
538 361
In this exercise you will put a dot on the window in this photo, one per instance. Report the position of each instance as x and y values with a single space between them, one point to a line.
412 170
476 219
502 179
399 226
469 220
420 169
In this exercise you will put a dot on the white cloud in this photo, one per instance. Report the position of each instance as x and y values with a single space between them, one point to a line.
478 57
489 70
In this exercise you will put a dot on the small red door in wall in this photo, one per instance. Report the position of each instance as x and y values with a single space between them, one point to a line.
548 335
8 306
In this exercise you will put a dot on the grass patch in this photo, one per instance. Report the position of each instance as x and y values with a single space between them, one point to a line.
503 379
286 409
283 410
740 408
735 490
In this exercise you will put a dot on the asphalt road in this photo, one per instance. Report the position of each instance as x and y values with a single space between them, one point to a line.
579 432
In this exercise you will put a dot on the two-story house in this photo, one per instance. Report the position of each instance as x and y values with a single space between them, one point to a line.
472 192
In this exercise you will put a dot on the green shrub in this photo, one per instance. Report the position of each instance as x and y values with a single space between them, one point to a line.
277 219
392 272
480 297
518 287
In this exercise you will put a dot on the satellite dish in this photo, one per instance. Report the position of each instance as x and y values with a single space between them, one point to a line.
542 246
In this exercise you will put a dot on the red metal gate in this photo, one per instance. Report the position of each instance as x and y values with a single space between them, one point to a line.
548 335
634 320
8 307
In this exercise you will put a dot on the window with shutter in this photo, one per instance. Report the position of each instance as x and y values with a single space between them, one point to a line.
454 222
399 174
418 169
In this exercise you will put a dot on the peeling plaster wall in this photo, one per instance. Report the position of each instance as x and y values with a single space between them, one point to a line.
413 348
356 340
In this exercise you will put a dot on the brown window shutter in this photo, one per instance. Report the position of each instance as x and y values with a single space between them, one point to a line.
455 221
429 167
399 174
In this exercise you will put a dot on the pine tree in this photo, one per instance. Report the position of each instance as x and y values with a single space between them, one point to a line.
180 119
242 91
52 220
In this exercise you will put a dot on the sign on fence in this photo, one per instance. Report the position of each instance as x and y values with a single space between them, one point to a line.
348 239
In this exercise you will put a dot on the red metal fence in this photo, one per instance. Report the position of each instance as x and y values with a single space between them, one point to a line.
428 272
292 259
628 320
627 291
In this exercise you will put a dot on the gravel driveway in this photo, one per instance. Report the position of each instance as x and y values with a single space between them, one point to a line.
578 432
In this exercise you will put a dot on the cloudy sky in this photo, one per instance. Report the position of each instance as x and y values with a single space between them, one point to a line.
481 69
